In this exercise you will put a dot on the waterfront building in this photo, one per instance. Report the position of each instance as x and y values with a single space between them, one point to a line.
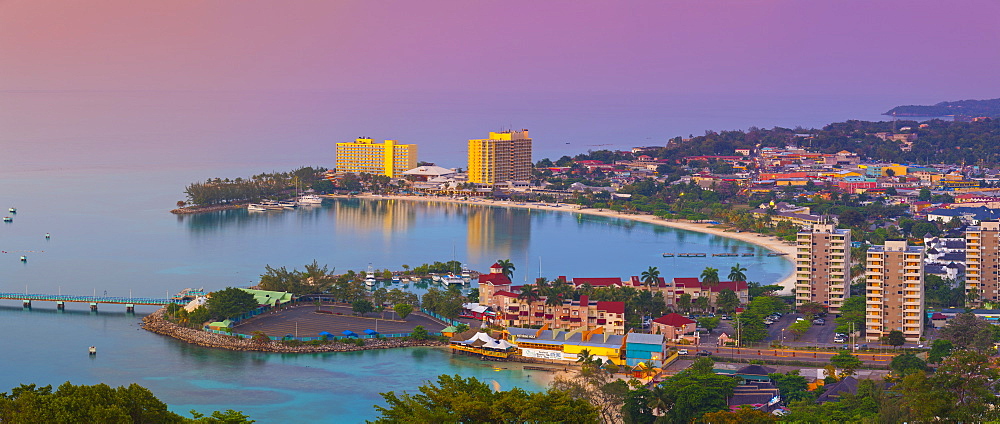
982 280
364 155
673 326
644 348
823 266
563 345
503 156
895 290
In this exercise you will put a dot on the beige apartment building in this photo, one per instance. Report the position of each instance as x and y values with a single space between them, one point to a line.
895 291
503 156
982 273
823 266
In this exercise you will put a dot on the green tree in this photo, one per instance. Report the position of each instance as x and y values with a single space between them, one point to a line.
506 267
689 395
940 349
230 302
739 416
709 323
651 276
846 362
793 386
727 302
736 273
453 399
895 338
362 307
907 363
702 303
419 333
403 309
709 277
851 312
967 331
197 317
684 302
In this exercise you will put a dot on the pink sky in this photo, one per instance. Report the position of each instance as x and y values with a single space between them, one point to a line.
941 49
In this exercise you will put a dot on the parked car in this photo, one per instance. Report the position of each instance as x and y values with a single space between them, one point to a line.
682 352
839 339
704 353
819 321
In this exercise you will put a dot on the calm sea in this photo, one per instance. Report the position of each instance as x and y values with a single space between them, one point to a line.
99 171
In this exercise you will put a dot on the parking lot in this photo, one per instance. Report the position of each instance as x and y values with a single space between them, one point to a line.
305 321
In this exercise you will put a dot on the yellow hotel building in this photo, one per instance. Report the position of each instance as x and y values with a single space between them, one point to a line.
364 155
504 156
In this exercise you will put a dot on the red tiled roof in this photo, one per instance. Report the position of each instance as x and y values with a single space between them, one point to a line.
504 293
496 265
597 282
613 307
938 315
735 286
495 279
686 282
673 320
637 282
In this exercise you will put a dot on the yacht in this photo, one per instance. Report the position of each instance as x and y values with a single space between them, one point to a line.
370 277
270 205
310 199
452 279
288 204
466 273
255 207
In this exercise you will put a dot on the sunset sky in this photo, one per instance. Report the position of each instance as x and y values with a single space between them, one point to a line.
941 49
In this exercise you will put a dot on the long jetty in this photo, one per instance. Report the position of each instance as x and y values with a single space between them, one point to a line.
61 300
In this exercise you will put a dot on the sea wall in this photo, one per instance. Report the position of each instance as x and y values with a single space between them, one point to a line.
156 323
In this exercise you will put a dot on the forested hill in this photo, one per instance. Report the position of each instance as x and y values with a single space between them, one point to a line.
937 142
965 108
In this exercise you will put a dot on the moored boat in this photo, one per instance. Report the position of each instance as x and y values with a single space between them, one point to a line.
255 207
452 279
288 204
692 255
309 199
668 255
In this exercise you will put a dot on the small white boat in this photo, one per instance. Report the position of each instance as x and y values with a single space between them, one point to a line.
310 199
395 280
24 258
288 204
270 205
254 207
452 279
92 350
370 277
8 219
466 274
12 210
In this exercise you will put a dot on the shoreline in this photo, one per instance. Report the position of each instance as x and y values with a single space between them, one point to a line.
155 323
768 242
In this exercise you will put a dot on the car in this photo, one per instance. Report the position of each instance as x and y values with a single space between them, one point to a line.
704 353
839 340
819 322
682 352
799 319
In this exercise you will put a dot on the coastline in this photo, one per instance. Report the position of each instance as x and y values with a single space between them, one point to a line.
155 323
768 242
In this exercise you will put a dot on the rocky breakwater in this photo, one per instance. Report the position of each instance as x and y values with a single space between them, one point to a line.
156 323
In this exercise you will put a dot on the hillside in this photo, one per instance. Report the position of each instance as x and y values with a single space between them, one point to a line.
965 108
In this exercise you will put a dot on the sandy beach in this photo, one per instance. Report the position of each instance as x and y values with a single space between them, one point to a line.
768 242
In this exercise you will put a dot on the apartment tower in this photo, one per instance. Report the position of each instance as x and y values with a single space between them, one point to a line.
982 273
364 155
504 156
895 291
823 266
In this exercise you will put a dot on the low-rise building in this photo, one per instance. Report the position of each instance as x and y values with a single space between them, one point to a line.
673 327
568 345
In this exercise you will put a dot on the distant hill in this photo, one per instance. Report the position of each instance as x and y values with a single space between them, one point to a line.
964 108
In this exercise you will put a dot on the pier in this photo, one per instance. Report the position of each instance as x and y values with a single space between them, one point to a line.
61 299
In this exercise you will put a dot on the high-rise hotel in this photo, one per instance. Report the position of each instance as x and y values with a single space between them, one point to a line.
895 290
982 260
364 155
823 266
504 156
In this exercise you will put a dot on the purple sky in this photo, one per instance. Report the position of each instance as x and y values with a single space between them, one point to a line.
939 49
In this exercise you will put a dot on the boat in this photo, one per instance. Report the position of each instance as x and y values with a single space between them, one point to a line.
270 205
452 279
309 199
725 255
435 278
668 255
395 280
12 210
691 255
466 274
92 350
24 258
8 219
776 254
288 204
747 254
370 277
48 236
255 207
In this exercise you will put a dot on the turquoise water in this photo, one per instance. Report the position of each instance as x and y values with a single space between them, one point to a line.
100 174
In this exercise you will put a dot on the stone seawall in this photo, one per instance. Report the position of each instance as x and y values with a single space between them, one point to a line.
156 323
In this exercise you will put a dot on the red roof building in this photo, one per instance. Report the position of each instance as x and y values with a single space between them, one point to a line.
673 326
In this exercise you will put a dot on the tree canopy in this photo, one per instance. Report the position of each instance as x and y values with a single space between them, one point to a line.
230 302
454 399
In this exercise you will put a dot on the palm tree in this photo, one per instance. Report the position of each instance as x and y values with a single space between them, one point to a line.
529 294
506 267
709 277
651 276
736 273
584 357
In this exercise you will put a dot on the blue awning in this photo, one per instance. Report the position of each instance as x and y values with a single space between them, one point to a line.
371 332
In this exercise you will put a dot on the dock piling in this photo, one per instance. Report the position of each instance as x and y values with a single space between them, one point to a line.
61 305
93 306
26 304
129 308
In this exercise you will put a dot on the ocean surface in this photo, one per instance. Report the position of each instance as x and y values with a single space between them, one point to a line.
99 172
